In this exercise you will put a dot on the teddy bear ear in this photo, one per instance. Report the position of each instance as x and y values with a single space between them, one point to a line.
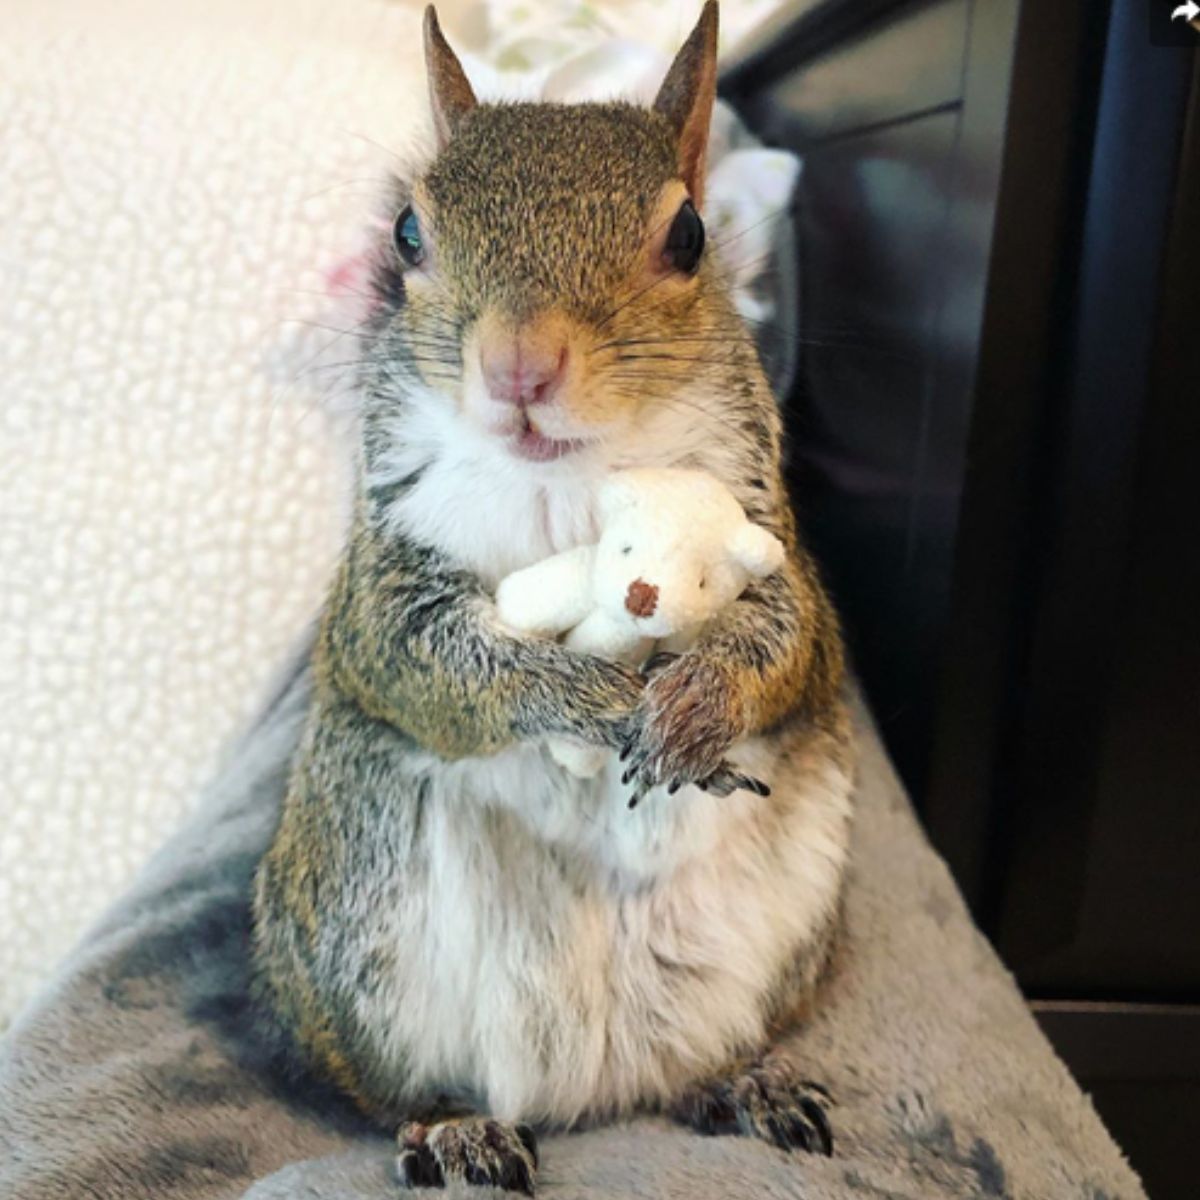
759 552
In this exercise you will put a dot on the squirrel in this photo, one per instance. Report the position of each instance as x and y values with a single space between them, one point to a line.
453 930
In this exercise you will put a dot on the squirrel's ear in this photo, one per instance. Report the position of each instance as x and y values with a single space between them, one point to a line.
450 92
686 99
756 550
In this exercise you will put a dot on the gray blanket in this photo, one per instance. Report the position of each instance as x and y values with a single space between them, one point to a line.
141 1072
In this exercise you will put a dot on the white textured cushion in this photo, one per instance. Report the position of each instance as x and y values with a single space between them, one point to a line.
173 179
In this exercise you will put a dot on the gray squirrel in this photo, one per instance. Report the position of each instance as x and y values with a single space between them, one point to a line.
455 931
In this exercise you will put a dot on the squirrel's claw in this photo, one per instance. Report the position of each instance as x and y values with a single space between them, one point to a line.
636 767
719 784
724 781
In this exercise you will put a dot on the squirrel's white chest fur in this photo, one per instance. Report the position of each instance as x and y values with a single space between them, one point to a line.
474 501
558 955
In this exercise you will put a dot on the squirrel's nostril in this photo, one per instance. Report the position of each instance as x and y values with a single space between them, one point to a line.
642 599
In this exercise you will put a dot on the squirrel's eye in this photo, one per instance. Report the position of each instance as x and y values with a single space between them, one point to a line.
685 240
406 234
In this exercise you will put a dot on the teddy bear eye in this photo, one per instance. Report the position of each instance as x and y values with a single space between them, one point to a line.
626 549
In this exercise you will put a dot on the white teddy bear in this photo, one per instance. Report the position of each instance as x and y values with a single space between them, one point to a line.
675 548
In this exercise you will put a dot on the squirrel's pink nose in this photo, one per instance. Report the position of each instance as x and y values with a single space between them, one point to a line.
522 371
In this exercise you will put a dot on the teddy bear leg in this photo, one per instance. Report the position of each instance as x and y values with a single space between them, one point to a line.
584 762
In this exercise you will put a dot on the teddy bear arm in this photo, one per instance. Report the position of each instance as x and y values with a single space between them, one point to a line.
549 597
599 634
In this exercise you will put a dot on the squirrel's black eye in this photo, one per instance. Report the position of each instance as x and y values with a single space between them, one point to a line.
406 233
685 240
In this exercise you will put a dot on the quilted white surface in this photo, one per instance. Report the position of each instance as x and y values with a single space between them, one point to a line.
174 179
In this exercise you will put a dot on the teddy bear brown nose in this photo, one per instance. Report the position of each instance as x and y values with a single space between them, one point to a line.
642 598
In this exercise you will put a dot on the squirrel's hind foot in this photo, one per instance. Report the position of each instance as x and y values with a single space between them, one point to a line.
471 1150
769 1101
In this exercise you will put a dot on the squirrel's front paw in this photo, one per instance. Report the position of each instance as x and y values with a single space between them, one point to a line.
691 714
472 1150
603 702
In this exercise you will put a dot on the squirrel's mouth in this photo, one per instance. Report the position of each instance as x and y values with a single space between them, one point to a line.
529 443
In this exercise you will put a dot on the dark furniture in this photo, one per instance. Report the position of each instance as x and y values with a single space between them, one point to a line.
994 428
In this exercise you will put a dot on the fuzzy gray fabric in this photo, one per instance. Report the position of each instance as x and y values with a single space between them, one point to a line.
140 1071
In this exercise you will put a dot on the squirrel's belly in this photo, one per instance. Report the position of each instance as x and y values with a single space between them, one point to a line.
550 988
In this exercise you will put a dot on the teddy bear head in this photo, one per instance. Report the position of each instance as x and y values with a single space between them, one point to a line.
675 548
